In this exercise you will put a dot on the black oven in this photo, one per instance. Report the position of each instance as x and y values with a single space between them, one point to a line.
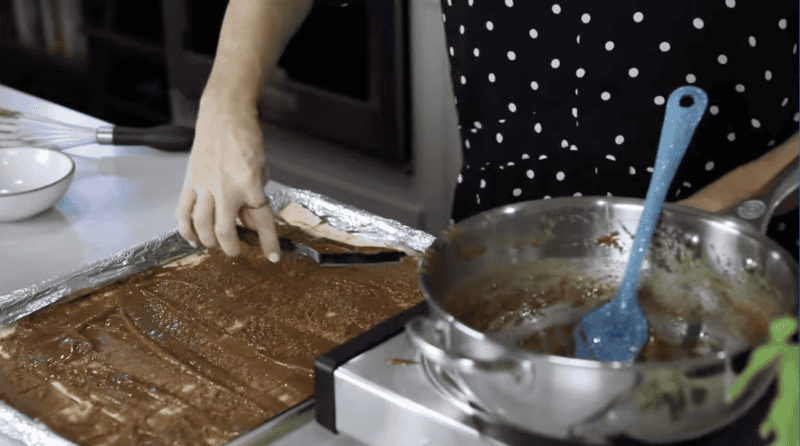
345 72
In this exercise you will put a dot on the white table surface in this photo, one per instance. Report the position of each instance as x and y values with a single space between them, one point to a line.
113 204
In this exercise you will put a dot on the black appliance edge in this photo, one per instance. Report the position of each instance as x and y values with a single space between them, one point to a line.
326 364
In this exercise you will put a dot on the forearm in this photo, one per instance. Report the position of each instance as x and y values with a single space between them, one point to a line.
254 35
745 181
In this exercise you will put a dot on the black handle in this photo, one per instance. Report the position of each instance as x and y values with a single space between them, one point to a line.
172 138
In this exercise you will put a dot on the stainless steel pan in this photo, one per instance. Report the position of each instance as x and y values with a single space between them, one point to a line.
720 266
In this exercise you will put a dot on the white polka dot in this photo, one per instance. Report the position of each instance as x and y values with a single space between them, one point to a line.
619 139
730 3
650 169
461 29
512 107
580 73
499 137
509 3
477 199
511 55
534 85
723 59
731 136
609 194
483 184
546 197
533 33
710 165
477 125
595 170
631 170
470 2
538 128
560 176
797 117
784 102
686 184
517 192
474 131
638 17
460 179
633 72
752 41
476 52
713 109
449 2
794 49
609 45
577 194
768 75
556 9
611 157
463 80
466 143
782 23
578 39
576 92
444 18
605 96
574 112
492 77
698 23
664 46
781 226
489 25
525 156
564 143
586 18
555 63
573 148
659 100
452 52
690 78
740 88
755 123
542 157
529 173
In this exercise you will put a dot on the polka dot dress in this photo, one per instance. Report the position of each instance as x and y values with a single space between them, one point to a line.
568 98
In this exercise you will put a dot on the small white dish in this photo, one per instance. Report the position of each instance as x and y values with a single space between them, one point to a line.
32 180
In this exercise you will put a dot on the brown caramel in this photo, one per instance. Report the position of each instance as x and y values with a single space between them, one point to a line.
197 352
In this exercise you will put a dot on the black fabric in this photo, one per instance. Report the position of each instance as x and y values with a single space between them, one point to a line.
589 123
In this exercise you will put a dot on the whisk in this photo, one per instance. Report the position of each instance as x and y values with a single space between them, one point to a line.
17 128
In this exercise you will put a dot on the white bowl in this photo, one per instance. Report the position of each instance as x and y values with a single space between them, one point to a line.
32 180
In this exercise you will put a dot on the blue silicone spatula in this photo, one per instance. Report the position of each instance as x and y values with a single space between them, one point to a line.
618 330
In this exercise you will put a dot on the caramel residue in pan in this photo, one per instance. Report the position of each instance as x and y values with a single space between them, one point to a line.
609 240
198 351
397 361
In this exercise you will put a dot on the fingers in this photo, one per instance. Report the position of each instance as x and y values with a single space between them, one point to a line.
183 214
225 229
261 220
203 218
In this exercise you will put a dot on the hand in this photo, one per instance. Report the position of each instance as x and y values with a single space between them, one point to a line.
225 178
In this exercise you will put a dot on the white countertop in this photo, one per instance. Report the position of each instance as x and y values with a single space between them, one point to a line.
113 204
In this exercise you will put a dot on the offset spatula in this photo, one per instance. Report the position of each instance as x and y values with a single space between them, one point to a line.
339 259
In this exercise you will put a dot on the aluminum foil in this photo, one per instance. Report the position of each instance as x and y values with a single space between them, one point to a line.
164 249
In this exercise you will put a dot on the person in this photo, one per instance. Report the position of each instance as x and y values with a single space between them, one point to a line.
554 99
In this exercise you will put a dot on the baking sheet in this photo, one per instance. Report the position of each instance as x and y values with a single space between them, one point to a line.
166 248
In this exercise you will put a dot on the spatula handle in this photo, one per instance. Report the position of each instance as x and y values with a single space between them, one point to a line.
171 138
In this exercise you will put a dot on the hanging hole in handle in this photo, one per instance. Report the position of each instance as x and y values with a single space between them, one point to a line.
686 101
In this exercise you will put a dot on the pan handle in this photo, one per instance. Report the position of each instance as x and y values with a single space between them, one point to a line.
774 199
431 337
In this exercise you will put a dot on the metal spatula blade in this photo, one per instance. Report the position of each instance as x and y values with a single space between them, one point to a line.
618 330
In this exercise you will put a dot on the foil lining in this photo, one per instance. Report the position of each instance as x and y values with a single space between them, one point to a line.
164 249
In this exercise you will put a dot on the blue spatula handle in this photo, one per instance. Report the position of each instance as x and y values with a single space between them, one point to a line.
680 123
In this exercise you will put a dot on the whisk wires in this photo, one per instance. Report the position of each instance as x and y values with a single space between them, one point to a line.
17 128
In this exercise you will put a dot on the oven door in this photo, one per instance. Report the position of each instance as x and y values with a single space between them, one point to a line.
343 77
